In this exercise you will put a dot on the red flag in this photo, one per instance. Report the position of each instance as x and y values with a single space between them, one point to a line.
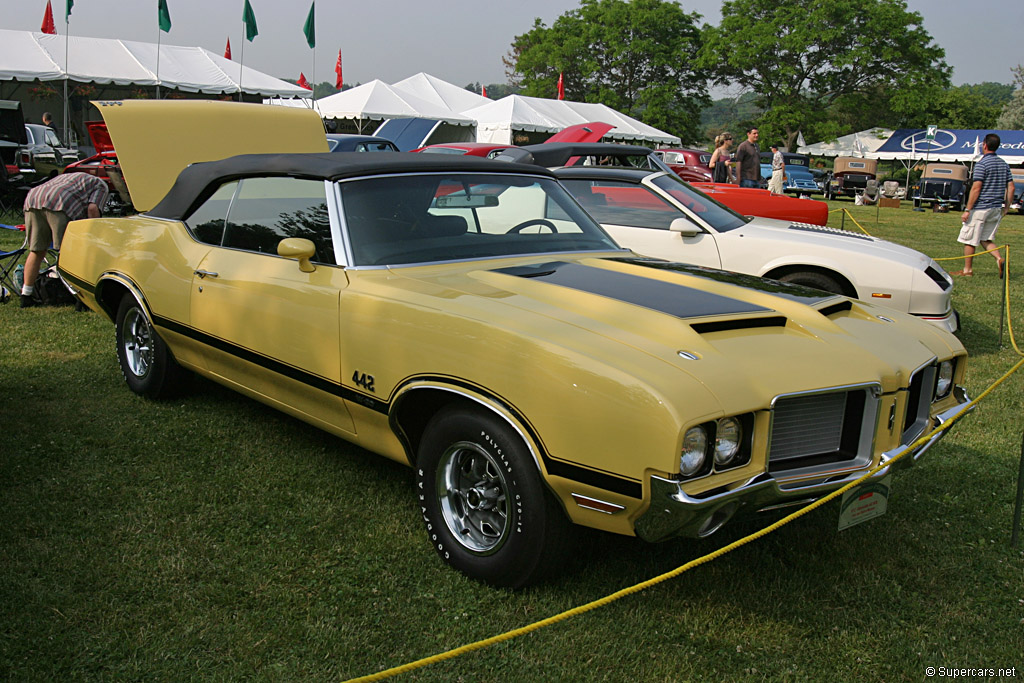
337 69
561 86
484 90
302 82
227 50
48 26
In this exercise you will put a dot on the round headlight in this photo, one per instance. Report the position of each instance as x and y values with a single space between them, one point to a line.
695 446
727 440
945 380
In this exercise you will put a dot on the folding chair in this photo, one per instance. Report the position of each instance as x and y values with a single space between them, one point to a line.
9 261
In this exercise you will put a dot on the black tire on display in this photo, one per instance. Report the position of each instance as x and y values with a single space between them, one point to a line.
813 279
487 512
146 363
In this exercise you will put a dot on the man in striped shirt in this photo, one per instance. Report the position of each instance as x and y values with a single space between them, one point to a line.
49 208
989 200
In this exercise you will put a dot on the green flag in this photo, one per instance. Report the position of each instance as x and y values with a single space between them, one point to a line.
67 11
249 19
310 28
163 16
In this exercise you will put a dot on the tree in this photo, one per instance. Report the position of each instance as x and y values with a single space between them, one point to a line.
812 62
636 57
1012 116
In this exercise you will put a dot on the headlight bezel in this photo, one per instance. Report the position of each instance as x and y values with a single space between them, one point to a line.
710 462
944 384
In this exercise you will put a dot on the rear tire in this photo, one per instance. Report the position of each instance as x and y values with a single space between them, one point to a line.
486 509
815 280
146 363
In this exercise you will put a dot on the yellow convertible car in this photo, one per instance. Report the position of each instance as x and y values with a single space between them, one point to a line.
466 317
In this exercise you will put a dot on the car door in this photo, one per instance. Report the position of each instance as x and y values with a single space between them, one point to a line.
271 329
640 219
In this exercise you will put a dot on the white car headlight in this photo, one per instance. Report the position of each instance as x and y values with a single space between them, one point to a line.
944 383
695 447
727 440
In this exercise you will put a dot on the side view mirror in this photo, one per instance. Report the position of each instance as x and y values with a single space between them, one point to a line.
298 248
684 227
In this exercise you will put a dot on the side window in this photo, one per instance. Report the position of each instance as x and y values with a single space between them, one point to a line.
617 203
207 222
268 210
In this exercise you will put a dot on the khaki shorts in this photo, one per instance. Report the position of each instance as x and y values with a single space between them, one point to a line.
45 227
980 227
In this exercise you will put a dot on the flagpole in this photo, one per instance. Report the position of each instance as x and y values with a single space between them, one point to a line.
241 62
158 32
67 31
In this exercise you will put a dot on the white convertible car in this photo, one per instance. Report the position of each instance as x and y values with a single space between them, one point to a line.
657 214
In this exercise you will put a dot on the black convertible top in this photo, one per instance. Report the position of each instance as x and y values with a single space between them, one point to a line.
198 181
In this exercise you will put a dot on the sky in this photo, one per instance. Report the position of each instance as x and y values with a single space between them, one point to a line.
460 41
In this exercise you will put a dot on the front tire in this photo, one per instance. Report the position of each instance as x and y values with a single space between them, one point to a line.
486 509
146 363
815 280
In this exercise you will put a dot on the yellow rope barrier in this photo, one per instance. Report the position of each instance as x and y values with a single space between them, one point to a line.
847 212
515 633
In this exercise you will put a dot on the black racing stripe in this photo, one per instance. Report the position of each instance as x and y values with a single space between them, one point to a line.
290 371
786 290
666 297
76 282
559 468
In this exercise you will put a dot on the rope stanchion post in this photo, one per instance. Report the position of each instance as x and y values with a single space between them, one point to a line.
1006 287
1015 534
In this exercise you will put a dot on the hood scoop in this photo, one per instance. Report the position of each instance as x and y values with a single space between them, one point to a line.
739 324
808 227
840 307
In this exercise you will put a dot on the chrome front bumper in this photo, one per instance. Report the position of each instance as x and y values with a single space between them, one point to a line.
675 513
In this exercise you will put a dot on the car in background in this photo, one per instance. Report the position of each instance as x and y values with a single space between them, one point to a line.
1018 192
799 180
104 165
942 185
748 201
13 139
689 164
344 142
468 319
821 178
47 154
850 176
659 215
473 149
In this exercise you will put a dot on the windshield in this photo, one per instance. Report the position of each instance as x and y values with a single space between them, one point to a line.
407 219
718 216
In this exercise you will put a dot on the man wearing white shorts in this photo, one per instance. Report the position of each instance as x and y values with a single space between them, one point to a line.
989 200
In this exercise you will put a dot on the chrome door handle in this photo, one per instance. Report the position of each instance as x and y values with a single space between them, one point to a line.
205 273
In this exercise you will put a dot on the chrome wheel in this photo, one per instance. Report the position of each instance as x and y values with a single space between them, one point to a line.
473 496
137 342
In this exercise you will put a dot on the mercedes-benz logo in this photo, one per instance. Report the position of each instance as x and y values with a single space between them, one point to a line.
918 142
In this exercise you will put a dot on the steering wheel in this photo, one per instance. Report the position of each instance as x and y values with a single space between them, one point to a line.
533 221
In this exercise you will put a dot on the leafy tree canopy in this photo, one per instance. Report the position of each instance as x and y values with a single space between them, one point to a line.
636 57
1012 116
812 64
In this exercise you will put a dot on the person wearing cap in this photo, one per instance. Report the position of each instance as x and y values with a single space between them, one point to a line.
778 171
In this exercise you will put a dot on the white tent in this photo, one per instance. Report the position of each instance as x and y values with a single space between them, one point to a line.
497 121
377 101
860 144
440 93
29 56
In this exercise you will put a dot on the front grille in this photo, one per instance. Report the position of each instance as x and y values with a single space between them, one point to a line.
919 401
818 431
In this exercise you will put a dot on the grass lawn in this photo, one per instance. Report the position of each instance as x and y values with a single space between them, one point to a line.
210 537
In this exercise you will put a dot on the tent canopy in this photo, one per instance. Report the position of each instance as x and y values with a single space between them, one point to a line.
440 93
497 120
862 143
29 56
377 100
950 145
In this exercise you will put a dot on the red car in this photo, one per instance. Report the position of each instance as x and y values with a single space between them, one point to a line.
472 149
747 201
103 164
689 164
